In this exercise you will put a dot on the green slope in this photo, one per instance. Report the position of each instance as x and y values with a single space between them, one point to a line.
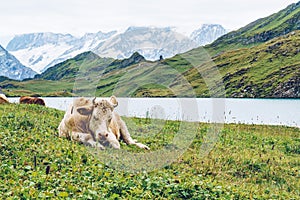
259 31
271 69
78 76
70 68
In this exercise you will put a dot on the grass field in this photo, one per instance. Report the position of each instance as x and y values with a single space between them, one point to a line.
246 162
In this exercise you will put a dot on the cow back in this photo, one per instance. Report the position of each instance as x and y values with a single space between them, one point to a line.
24 99
80 123
32 100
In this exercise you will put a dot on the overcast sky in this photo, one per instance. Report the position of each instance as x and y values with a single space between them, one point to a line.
80 16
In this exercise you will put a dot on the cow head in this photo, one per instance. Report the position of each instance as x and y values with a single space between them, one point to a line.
39 101
100 115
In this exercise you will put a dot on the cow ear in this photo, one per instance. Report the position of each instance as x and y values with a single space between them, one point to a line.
113 101
85 110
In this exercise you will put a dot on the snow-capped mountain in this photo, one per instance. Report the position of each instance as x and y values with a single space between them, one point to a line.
86 43
12 68
150 42
40 51
207 33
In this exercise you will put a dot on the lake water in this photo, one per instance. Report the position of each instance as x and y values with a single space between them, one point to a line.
246 111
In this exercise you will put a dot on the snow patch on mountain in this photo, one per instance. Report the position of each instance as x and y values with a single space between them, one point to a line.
41 56
12 68
43 50
150 42
207 33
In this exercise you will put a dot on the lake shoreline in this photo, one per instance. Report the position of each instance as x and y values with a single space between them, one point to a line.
282 112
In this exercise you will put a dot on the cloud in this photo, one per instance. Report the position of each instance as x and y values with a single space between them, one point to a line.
78 16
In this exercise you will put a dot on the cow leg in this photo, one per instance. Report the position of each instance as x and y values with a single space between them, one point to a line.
109 139
87 139
63 131
126 136
66 125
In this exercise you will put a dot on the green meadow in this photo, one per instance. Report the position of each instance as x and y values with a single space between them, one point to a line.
245 161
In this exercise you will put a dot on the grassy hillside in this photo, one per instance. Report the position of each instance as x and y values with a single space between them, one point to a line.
70 68
259 31
248 161
78 76
271 69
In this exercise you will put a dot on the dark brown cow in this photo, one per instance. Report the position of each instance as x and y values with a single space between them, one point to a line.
32 100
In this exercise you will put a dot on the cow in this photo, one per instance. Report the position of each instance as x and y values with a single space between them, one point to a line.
32 100
3 99
95 123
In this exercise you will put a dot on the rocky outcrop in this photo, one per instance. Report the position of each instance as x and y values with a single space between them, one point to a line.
288 89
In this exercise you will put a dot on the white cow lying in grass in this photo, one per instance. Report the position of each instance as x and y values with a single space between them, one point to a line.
94 123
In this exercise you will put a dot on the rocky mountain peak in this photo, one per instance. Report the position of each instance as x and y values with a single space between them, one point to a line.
12 68
207 33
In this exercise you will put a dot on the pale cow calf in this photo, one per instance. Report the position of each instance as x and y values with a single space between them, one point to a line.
94 123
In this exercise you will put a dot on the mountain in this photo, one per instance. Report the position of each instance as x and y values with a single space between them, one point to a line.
36 40
79 76
43 50
260 60
268 70
207 33
12 68
86 43
66 69
150 42
87 63
260 31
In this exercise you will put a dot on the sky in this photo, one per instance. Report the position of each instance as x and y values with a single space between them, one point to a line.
81 16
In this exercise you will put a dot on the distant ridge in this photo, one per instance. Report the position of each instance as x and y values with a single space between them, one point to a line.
40 51
68 68
261 30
